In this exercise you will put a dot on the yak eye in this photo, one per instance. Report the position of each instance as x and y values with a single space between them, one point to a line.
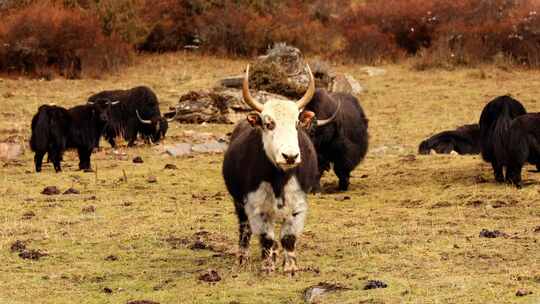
270 125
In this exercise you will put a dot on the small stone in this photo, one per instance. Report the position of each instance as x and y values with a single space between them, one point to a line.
111 258
171 167
107 290
28 215
89 209
71 191
210 276
18 246
491 234
138 160
151 179
373 284
523 292
32 254
50 190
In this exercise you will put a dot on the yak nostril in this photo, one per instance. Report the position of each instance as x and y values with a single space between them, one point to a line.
290 158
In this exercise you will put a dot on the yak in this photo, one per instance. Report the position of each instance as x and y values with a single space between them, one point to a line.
137 113
523 146
55 129
463 140
494 123
339 133
268 168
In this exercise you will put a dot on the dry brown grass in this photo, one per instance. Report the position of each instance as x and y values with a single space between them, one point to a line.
412 222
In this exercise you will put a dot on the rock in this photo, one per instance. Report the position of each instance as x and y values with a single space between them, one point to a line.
373 71
142 302
28 215
213 146
170 167
210 276
492 234
18 246
138 160
71 191
313 293
111 258
178 149
373 284
50 190
523 292
107 290
10 151
232 81
151 179
345 83
88 209
32 254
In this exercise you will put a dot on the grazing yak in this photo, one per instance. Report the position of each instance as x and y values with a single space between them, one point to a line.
340 136
268 169
463 140
136 113
523 146
494 123
55 129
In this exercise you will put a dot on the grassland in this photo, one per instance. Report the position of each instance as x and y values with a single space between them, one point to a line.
410 221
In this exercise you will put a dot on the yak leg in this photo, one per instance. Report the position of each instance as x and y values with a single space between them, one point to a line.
293 225
38 160
110 135
343 174
84 158
513 175
259 208
55 156
498 171
131 132
244 234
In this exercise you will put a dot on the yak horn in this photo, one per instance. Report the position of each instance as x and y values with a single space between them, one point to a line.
115 102
148 122
310 91
324 122
172 118
255 105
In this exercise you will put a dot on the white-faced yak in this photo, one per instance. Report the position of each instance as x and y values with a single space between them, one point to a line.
269 168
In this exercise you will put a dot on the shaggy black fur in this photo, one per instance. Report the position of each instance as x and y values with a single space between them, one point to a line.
523 146
494 124
55 129
343 142
463 140
124 121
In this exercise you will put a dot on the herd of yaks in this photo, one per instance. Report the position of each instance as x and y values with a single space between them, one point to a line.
279 153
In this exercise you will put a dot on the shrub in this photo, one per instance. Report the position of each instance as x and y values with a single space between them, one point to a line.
44 38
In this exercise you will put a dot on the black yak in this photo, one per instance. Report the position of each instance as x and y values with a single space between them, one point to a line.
136 113
463 140
494 124
268 169
55 129
523 145
338 132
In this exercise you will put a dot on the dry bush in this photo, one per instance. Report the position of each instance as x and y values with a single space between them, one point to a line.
42 39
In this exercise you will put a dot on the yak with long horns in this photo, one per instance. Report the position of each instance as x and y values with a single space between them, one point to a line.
136 113
269 168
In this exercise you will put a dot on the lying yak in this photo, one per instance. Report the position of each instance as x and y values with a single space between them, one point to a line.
338 132
463 140
55 129
136 113
494 123
268 169
523 146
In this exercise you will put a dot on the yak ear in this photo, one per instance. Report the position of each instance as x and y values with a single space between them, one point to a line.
306 118
254 119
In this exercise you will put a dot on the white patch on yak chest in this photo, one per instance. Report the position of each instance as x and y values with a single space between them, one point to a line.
263 209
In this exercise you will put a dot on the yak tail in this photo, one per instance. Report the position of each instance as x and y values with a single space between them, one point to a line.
500 134
39 140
